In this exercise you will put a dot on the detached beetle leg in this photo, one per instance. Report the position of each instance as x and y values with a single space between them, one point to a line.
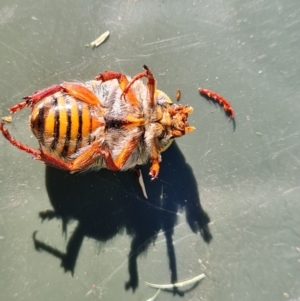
220 100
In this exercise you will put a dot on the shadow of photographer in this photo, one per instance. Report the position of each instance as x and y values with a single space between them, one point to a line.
106 203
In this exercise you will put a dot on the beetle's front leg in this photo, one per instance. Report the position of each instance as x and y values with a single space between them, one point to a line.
154 168
155 159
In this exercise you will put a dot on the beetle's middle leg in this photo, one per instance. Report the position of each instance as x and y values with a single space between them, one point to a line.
151 84
123 83
102 150
83 161
90 156
117 163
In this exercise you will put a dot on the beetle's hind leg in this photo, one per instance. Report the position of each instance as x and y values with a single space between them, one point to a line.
32 99
75 90
19 145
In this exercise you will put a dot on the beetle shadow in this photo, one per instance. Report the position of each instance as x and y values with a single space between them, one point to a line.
105 204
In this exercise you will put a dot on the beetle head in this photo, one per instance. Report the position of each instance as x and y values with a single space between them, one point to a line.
179 120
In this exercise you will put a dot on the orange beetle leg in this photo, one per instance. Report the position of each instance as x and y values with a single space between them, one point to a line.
74 89
154 168
52 161
83 161
81 92
126 152
117 163
123 83
121 159
87 158
150 84
35 97
19 145
155 160
109 75
219 99
132 122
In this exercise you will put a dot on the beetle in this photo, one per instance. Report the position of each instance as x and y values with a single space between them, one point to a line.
114 122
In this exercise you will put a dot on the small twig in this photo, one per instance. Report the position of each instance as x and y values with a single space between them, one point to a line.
142 184
155 296
178 94
100 40
178 284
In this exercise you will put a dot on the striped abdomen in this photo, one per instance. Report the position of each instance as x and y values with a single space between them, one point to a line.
63 124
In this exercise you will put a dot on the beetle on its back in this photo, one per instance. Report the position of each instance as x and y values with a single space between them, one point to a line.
113 122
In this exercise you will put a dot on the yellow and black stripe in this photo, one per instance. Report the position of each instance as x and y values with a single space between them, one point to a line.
64 124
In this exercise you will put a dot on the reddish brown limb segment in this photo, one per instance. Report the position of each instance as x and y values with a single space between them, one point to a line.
117 163
131 121
52 161
123 82
83 161
155 159
126 152
154 168
32 99
19 145
219 99
150 84
109 75
37 96
136 77
80 92
88 157
73 89
20 106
